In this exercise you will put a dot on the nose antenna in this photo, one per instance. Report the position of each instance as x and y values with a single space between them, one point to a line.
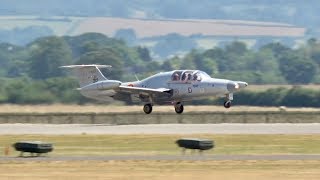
135 75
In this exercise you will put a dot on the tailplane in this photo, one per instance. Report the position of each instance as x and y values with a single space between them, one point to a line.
87 74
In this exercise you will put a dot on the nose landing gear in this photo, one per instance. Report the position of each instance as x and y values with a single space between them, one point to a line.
227 103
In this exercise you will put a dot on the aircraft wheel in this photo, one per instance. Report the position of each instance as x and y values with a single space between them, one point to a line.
179 108
227 104
147 108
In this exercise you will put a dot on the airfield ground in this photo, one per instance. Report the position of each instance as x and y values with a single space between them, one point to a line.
172 170
160 145
148 144
56 166
103 108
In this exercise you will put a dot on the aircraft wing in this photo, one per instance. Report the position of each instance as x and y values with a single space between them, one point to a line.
144 91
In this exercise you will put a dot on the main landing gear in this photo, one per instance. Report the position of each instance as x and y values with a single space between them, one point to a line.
147 108
178 107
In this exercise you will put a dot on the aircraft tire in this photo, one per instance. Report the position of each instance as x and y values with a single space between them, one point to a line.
147 108
179 108
227 104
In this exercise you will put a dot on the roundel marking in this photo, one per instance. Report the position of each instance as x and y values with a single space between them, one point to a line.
176 91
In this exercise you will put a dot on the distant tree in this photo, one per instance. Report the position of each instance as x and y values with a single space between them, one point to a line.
296 68
234 58
262 41
313 50
88 42
107 56
47 55
12 60
277 48
153 66
312 41
17 68
219 55
173 43
236 47
144 54
188 62
127 35
202 62
167 66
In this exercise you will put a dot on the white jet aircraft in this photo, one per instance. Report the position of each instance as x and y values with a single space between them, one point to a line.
173 87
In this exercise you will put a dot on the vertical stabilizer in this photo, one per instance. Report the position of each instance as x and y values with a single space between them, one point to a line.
87 74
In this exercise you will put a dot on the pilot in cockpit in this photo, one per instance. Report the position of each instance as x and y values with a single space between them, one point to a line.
175 77
189 77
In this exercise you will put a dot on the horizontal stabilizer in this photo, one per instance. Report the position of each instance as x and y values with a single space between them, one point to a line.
86 65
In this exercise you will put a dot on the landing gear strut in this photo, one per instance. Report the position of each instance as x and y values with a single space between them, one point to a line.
227 103
178 108
147 108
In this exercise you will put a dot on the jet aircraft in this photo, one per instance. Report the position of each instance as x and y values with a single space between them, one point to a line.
174 87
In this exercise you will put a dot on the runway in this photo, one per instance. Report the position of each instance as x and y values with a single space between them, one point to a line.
56 129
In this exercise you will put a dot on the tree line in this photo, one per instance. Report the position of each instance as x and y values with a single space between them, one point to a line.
30 73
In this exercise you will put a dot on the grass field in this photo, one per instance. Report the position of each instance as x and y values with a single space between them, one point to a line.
187 27
99 145
172 170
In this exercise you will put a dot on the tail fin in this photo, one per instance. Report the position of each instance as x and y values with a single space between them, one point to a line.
87 74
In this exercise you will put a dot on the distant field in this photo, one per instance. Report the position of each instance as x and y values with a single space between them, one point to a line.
92 108
155 27
187 27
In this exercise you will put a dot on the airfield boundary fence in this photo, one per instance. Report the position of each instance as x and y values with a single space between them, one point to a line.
161 118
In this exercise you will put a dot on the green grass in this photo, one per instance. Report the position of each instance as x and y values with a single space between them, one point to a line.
93 145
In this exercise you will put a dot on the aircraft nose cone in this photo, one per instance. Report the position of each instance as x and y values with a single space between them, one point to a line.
242 84
233 86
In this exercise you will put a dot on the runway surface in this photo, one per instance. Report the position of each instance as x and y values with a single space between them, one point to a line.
56 129
195 157
52 129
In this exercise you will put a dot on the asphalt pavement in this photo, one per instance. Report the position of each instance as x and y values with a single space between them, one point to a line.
55 129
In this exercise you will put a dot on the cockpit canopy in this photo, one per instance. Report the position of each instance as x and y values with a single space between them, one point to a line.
188 75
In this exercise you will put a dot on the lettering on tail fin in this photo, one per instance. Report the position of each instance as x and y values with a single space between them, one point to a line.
95 79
